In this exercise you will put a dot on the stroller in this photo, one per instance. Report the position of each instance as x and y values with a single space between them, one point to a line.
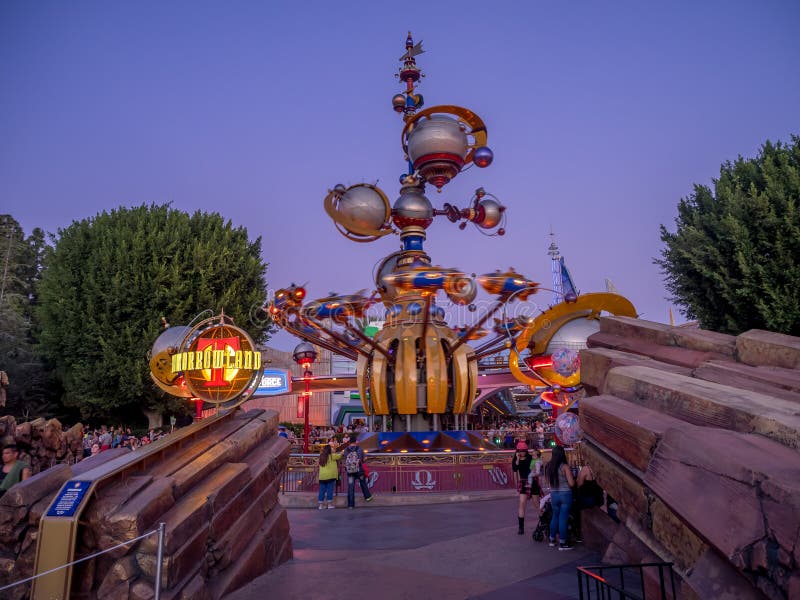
542 531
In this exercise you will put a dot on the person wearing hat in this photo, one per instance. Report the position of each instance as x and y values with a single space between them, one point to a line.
522 464
282 432
353 461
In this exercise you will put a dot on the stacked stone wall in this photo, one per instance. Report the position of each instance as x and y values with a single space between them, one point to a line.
697 436
216 493
43 443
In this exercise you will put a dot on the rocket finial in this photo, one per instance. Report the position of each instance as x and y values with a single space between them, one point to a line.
409 102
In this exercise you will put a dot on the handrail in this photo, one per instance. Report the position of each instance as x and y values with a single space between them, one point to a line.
603 587
159 556
58 534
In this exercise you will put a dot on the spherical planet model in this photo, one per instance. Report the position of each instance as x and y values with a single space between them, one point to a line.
363 207
436 135
412 208
566 362
568 429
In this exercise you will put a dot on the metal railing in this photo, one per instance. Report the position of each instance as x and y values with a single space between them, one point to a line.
413 472
159 561
606 582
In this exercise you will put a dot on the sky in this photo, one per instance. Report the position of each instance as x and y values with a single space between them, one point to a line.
601 116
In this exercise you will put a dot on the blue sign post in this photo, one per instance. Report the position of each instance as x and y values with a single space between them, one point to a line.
69 498
274 382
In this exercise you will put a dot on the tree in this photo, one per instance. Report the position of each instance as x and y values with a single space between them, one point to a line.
110 279
733 262
31 389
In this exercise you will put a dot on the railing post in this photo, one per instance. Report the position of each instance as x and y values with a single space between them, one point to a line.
159 560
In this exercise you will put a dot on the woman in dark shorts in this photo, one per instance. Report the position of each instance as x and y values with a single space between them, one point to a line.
524 464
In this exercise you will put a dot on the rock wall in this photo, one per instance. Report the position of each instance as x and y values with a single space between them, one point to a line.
697 436
216 492
43 443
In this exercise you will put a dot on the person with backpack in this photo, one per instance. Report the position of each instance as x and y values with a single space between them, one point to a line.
353 460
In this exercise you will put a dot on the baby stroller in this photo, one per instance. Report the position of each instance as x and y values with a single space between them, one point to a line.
542 530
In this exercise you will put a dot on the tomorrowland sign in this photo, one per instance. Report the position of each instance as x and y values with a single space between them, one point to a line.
214 361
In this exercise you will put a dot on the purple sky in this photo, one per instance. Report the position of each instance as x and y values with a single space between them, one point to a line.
601 117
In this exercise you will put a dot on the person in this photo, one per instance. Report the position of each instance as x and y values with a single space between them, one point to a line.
105 439
559 475
521 464
328 472
282 432
14 470
95 450
588 494
534 482
540 434
353 460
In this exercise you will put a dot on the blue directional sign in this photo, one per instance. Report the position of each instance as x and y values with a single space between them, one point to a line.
273 382
68 499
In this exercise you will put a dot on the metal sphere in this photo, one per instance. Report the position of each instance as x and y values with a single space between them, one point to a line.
304 352
573 334
492 212
399 102
412 208
363 206
483 157
435 136
167 344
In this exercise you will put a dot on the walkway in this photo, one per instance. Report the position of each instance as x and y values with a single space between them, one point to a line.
442 551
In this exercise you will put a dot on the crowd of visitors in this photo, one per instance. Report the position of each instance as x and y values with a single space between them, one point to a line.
509 432
96 441
560 492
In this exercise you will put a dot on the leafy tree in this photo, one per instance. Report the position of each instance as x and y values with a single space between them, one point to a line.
734 261
31 389
110 279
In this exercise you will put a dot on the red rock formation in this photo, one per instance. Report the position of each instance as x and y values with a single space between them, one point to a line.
697 436
216 490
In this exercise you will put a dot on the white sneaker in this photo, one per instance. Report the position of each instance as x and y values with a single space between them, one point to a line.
320 507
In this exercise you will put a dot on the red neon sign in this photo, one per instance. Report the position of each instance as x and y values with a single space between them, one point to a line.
220 344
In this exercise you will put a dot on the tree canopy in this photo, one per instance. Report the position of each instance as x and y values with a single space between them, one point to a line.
733 262
30 387
110 279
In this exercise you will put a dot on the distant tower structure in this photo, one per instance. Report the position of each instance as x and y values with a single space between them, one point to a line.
555 266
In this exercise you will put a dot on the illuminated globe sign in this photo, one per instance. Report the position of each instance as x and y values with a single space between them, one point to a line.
219 364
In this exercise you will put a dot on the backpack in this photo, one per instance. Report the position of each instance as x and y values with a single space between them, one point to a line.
352 462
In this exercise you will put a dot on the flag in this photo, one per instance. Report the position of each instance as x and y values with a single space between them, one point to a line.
567 285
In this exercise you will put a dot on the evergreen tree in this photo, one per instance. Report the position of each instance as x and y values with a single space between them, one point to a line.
733 262
110 279
31 389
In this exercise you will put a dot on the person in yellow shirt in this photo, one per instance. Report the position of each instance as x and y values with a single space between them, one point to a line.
328 473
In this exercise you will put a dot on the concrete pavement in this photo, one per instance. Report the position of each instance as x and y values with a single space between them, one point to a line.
441 551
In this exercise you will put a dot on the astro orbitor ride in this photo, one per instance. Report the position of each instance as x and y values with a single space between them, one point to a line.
418 367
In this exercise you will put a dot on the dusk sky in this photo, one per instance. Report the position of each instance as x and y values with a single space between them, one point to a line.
601 116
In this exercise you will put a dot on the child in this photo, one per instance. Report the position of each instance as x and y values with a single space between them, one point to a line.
328 472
